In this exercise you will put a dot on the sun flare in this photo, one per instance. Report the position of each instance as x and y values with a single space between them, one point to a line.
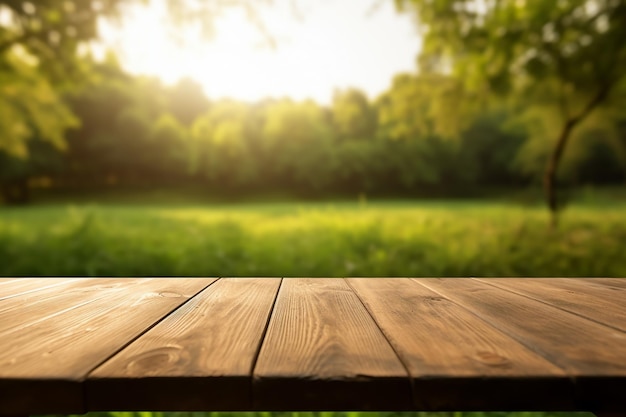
334 45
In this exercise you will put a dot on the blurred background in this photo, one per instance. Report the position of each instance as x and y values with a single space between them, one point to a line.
312 138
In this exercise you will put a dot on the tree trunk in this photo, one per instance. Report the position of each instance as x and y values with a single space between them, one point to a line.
550 179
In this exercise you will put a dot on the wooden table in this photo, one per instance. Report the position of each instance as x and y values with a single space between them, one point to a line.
76 345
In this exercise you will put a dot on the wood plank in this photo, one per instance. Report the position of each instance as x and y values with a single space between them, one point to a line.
592 354
199 358
49 301
323 351
610 282
599 303
454 358
20 286
41 368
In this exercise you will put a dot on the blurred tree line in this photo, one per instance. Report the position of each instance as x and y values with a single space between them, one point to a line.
136 131
68 121
564 61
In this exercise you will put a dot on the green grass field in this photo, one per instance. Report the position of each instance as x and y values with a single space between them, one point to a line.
393 238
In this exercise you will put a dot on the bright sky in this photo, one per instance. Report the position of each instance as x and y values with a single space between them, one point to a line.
335 44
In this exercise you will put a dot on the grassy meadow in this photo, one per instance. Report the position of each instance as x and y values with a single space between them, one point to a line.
350 238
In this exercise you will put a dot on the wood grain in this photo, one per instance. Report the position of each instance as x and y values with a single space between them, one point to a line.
323 351
7 280
19 286
592 354
35 306
199 358
74 345
600 303
43 364
454 357
611 282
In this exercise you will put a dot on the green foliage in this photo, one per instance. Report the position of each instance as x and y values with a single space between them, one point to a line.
353 115
396 146
489 148
220 150
127 132
30 108
289 122
424 105
136 131
323 239
567 56
404 109
541 126
169 142
50 31
297 139
40 57
503 43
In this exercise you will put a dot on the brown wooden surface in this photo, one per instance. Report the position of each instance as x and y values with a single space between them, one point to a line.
198 358
50 301
19 286
593 355
323 351
74 345
591 300
43 363
445 347
611 282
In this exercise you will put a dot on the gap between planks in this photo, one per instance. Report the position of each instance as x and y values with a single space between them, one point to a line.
262 340
147 329
524 293
596 370
325 369
380 329
471 355
213 341
132 340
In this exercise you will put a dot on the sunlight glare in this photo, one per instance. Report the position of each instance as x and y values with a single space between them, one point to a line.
335 45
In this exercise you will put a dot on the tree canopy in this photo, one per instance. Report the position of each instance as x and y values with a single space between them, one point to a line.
42 45
498 96
568 55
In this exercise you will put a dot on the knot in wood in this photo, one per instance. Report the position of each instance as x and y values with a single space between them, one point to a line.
493 359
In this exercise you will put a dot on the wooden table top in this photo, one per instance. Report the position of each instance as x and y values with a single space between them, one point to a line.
76 345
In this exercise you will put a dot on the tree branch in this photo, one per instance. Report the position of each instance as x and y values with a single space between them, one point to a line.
598 99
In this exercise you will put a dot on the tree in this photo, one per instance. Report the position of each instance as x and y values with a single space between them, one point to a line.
298 143
220 145
53 29
421 105
127 132
167 152
29 108
33 120
38 46
47 35
353 115
573 48
410 111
